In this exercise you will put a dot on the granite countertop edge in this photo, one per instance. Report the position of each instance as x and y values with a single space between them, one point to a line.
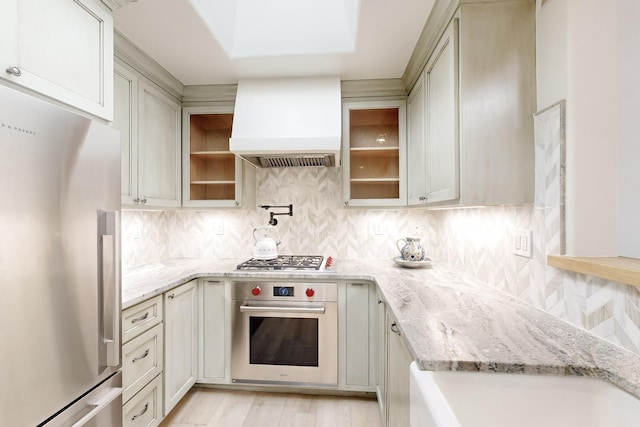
449 320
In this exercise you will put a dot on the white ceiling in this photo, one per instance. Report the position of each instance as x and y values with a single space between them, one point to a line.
174 35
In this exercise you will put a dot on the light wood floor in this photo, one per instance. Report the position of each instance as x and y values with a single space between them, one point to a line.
205 407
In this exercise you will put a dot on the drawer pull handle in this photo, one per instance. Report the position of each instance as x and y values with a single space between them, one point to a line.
141 413
145 354
141 318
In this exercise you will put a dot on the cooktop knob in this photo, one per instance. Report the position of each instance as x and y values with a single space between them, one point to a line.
310 292
256 291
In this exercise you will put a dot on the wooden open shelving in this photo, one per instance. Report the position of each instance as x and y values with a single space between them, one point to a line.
617 269
374 153
212 166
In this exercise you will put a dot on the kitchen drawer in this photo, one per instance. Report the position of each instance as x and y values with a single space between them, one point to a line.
145 408
141 361
141 317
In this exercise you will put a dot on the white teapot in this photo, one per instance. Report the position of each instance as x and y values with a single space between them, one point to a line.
411 250
265 247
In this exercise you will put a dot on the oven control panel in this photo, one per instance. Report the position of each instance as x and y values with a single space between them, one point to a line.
289 291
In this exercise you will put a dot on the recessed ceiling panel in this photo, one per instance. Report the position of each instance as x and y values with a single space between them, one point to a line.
258 28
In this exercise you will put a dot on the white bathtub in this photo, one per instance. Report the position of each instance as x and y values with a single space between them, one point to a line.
474 399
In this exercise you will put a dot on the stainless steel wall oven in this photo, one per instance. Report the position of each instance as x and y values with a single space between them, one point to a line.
285 333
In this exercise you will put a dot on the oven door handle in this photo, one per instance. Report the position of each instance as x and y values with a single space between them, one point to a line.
263 309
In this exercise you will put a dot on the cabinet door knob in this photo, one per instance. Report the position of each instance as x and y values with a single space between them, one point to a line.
422 198
143 201
394 328
14 71
136 200
171 296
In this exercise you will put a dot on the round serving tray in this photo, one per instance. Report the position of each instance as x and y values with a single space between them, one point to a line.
412 264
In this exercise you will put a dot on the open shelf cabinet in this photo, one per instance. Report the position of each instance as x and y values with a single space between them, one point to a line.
212 175
373 162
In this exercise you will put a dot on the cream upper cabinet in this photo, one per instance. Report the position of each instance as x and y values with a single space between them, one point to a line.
62 49
479 98
441 118
125 119
149 123
417 177
212 176
374 156
158 147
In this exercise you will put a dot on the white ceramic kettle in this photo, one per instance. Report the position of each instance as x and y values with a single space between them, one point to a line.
266 247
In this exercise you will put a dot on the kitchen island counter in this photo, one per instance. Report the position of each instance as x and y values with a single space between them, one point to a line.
450 320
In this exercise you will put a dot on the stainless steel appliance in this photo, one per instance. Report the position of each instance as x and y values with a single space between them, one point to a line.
59 267
285 333
311 263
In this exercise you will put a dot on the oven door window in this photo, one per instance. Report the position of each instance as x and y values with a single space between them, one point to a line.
283 341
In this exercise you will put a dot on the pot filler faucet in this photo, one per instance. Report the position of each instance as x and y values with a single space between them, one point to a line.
272 220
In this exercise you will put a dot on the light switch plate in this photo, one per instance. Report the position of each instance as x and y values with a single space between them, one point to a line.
522 242
218 228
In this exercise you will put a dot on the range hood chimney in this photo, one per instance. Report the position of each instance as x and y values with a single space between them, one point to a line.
288 122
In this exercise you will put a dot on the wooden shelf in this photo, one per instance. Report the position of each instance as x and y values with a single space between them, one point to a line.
374 180
213 182
374 152
213 154
618 269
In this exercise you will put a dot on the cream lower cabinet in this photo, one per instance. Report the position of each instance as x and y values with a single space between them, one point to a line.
181 341
59 48
471 111
215 328
142 363
358 359
397 377
381 350
149 121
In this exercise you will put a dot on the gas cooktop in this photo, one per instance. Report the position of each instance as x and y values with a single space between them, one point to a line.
289 262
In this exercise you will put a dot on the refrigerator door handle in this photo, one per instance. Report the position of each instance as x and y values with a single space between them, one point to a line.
110 292
99 405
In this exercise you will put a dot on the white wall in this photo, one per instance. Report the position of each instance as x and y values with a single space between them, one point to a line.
629 128
577 57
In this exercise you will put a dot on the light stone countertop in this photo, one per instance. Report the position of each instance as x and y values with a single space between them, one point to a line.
449 320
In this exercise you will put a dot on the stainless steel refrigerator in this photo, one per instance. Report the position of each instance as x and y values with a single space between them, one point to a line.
59 267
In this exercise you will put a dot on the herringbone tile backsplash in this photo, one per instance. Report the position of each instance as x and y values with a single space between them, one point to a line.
477 241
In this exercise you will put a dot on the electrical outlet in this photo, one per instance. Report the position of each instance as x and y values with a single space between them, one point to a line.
218 228
379 228
522 242
136 231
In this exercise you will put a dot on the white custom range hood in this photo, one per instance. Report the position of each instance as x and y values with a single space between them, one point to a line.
288 122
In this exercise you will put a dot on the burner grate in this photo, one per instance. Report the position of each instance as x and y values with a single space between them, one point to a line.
284 262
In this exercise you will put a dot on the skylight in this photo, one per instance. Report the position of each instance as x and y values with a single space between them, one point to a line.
258 28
